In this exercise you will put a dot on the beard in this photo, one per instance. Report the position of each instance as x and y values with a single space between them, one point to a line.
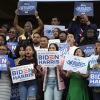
62 40
90 38
36 42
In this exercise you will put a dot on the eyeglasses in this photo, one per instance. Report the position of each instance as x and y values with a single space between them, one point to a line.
36 37
3 49
12 32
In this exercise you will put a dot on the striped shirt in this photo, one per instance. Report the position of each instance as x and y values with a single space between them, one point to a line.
5 86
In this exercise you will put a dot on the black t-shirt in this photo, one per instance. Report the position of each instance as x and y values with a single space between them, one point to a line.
26 62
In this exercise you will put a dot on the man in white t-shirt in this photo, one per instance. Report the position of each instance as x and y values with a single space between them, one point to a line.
36 40
71 39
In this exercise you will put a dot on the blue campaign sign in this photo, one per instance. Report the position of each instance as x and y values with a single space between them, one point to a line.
12 46
64 48
3 62
49 29
14 92
83 8
88 49
94 78
26 7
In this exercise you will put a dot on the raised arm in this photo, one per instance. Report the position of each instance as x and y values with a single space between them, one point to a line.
19 29
72 25
40 27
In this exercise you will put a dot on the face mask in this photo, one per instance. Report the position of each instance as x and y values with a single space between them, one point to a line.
98 60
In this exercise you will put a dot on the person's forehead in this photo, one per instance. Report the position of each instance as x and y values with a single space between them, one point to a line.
43 38
97 43
82 15
63 33
27 23
36 35
28 47
54 18
12 29
52 45
55 29
70 35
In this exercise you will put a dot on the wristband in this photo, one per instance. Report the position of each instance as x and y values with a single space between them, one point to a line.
73 19
37 17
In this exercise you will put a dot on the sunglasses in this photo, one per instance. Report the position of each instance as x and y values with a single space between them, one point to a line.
36 37
11 32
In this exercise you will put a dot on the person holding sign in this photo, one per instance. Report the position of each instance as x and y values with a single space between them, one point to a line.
53 85
28 89
5 81
80 29
96 90
28 27
78 85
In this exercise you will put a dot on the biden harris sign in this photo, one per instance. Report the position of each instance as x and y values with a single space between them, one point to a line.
48 58
83 8
3 62
26 7
22 73
94 78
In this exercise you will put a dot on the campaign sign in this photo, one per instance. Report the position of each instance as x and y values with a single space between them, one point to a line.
12 46
93 60
56 41
42 49
88 49
48 58
64 48
14 92
94 78
22 73
75 63
49 29
3 62
83 8
26 7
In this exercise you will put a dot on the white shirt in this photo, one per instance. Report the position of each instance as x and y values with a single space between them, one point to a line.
36 48
71 50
